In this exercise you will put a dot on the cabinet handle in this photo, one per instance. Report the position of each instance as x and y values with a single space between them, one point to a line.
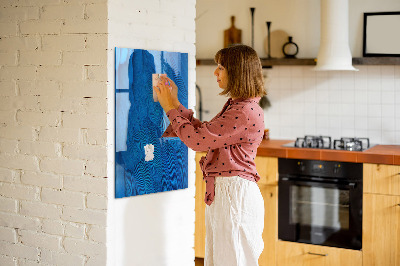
318 254
398 204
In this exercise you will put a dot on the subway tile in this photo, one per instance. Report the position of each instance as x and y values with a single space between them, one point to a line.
348 122
388 110
310 108
335 95
334 81
334 109
296 72
297 83
334 132
360 133
374 97
285 72
284 83
374 110
310 95
347 109
335 122
322 95
308 72
397 110
322 74
397 123
322 121
361 110
397 71
360 124
374 84
361 97
286 132
348 75
349 132
388 84
397 133
375 136
388 97
348 96
387 71
374 70
388 137
322 109
334 77
388 124
374 123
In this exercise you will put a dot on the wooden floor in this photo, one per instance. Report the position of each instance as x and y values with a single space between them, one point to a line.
199 262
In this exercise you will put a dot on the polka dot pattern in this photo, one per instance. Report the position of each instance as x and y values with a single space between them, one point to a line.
231 138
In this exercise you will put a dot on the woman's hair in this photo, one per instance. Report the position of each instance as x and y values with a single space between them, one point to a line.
245 78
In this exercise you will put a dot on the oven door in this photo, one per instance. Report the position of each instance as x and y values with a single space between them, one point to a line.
320 212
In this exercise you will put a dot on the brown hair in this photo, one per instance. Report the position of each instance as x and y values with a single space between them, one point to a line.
245 78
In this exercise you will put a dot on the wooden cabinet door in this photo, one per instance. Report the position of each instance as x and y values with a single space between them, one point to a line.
297 254
381 230
200 207
381 179
267 168
270 233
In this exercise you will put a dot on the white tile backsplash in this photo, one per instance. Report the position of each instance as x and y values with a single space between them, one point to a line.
364 103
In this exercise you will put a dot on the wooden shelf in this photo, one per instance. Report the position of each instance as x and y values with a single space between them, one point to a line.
312 61
376 61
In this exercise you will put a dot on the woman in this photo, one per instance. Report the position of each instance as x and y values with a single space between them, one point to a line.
235 207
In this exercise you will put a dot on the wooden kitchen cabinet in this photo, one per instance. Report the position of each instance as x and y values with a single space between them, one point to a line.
200 207
267 168
298 254
381 179
381 215
270 233
381 230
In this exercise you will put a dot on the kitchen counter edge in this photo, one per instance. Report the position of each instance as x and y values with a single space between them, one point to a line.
379 154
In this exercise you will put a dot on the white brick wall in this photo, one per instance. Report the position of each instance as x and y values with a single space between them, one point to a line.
56 80
53 106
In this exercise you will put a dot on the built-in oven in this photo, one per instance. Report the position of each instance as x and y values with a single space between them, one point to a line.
320 202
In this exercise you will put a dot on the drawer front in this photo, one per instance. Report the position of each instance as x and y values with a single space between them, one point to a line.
293 254
381 179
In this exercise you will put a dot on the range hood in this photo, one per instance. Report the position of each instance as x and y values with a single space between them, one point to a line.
334 51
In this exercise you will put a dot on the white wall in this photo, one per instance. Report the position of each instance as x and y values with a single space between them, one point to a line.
338 104
298 18
155 229
53 190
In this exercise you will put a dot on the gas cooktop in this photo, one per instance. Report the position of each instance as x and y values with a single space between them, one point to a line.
325 142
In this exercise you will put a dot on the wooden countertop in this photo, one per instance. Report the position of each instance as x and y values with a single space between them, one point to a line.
379 154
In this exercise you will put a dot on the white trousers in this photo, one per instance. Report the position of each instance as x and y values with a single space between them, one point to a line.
234 223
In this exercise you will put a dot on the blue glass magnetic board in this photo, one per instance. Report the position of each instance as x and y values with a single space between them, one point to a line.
144 162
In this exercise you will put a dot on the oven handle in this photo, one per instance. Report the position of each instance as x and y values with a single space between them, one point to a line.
297 181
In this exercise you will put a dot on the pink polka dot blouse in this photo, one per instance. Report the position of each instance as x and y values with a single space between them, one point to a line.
231 139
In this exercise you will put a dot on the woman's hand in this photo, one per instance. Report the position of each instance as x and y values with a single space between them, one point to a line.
174 90
164 93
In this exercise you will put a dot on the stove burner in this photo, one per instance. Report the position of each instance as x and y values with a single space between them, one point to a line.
351 144
324 142
308 141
